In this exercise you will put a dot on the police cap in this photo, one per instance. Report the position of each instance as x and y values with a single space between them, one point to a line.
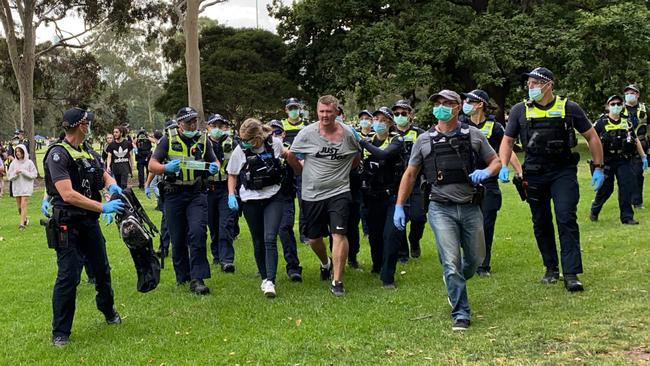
365 112
74 116
186 114
478 95
631 87
293 102
541 73
274 123
385 111
613 97
216 119
402 103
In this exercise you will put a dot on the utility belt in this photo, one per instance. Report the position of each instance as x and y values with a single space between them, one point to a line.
58 227
552 164
194 187
478 194
380 193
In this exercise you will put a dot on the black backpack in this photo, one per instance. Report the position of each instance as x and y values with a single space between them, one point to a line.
137 232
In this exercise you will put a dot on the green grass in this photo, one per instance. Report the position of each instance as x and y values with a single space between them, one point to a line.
516 320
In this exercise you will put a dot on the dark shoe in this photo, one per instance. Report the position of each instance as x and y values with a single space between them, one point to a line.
199 287
593 218
60 341
638 207
630 222
551 276
483 274
113 319
295 277
326 272
415 252
572 283
337 289
404 259
460 324
228 267
388 285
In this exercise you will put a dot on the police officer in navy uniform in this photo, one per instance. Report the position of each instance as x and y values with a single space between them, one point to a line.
545 125
221 219
620 144
287 195
637 114
475 108
181 156
383 165
74 178
404 126
292 125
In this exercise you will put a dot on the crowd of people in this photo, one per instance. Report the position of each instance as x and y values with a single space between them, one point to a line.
382 175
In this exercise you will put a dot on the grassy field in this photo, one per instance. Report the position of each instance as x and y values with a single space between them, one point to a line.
515 321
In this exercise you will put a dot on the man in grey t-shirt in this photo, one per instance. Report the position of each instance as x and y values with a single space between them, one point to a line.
446 155
329 150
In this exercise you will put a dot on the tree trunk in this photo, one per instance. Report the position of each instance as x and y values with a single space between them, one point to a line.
192 56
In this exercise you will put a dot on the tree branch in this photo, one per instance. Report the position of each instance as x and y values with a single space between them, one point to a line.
63 42
9 27
209 4
178 8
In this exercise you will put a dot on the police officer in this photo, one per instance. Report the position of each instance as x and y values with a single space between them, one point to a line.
255 163
619 145
143 153
74 178
152 184
292 125
545 126
365 130
365 123
404 126
637 114
475 108
287 195
221 219
447 155
382 168
181 157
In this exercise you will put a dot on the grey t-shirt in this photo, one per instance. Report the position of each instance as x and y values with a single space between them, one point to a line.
456 192
326 170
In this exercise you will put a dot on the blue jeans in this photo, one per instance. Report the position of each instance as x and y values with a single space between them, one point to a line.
456 227
263 218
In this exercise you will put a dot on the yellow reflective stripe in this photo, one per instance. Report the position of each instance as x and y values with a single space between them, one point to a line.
76 155
288 126
411 136
385 144
184 154
622 125
487 129
557 110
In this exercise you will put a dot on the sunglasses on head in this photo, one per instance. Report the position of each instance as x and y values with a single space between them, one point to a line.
403 114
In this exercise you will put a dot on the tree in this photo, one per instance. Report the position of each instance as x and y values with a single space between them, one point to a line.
20 35
244 75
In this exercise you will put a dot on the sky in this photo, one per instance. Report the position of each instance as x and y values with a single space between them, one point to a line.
234 13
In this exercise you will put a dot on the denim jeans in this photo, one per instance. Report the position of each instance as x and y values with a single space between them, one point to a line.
456 227
263 218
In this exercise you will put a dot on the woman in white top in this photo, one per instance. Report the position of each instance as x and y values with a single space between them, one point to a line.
255 164
22 173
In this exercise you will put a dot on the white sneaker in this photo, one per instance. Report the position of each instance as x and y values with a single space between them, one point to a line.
268 288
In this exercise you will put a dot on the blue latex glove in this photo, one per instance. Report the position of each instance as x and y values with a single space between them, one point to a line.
597 179
45 207
232 202
113 206
147 192
644 160
107 218
478 176
173 166
114 188
355 134
503 174
213 168
399 218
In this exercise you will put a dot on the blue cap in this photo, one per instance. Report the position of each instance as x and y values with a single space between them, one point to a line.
385 111
541 73
74 116
293 102
478 95
216 118
186 114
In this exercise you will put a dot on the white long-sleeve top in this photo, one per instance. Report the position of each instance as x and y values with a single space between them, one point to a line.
22 173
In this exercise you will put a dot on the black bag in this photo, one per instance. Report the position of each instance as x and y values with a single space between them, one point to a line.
137 231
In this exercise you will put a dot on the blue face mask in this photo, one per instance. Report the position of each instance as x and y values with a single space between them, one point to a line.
402 121
365 123
468 109
379 127
535 94
615 109
630 98
190 134
443 113
293 114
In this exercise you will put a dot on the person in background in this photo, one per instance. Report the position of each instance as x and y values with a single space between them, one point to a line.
120 160
143 146
22 173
